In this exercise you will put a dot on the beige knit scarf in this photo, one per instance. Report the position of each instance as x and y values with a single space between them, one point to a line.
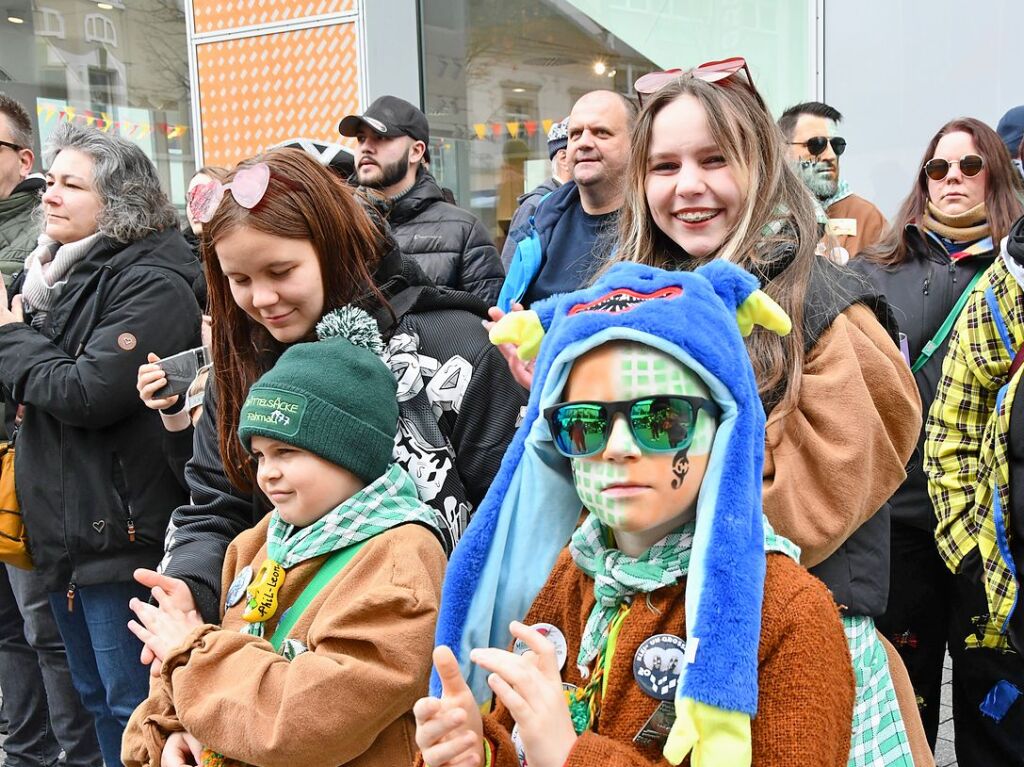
969 226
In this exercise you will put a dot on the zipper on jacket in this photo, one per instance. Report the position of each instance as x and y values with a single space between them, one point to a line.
71 596
131 526
927 284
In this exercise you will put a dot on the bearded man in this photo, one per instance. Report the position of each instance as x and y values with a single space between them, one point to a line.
814 147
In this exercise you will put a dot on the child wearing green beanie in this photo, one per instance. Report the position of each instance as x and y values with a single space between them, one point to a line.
331 600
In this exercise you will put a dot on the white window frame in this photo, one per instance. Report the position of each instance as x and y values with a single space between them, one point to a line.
51 23
107 34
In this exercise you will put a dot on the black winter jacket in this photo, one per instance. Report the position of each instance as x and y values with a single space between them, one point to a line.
95 488
450 244
458 410
921 292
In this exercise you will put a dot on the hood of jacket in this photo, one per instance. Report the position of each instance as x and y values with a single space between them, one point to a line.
166 249
424 193
548 185
547 215
408 289
1014 247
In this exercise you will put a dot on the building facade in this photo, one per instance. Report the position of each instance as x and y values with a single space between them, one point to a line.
214 81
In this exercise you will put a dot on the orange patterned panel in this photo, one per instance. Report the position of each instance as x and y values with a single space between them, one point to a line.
258 91
217 15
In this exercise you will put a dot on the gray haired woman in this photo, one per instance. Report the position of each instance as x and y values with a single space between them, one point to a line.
110 279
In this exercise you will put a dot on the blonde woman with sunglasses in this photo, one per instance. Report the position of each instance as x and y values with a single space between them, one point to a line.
962 202
708 179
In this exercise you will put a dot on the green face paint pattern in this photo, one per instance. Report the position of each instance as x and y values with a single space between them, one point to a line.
642 371
590 478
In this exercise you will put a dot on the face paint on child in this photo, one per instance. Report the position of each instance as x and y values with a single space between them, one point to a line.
628 489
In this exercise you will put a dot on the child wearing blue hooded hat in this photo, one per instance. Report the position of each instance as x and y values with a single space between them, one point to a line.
675 623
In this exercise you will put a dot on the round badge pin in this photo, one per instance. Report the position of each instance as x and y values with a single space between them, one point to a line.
657 664
554 635
238 586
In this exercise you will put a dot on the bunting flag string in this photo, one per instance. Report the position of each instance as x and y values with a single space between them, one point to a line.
102 121
512 129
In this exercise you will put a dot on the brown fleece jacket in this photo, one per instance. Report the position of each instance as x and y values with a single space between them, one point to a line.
830 464
346 701
870 223
805 680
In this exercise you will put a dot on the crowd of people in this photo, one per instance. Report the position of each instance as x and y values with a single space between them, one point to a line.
709 463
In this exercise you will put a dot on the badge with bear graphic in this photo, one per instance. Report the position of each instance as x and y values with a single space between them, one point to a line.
238 586
657 664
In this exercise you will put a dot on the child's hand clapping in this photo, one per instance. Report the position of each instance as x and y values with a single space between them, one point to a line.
449 730
530 686
181 750
162 628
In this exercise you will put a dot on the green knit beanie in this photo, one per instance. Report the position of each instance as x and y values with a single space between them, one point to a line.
335 397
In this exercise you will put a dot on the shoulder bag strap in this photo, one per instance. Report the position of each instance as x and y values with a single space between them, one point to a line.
947 325
334 565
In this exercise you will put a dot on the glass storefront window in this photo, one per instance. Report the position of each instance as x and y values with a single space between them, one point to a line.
117 66
496 75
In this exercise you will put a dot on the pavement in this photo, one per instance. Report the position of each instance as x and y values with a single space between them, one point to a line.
944 756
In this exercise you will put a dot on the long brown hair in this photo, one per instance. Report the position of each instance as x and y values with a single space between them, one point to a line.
777 219
303 201
1003 192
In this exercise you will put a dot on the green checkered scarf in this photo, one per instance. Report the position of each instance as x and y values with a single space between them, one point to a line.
387 502
618 576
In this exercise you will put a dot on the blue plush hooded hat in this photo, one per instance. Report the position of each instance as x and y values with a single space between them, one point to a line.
532 507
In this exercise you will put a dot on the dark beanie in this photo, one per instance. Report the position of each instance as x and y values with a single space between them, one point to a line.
1011 130
335 397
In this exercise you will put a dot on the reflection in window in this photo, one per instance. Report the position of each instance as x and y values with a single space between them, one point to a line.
50 23
100 29
496 75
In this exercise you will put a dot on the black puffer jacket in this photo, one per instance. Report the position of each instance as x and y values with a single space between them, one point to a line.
89 462
450 244
921 292
458 410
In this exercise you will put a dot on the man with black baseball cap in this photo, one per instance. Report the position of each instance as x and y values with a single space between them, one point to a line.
450 244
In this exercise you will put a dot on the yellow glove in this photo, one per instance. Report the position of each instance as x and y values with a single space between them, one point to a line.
760 309
712 736
522 329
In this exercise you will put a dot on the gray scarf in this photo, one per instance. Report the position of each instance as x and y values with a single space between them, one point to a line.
46 272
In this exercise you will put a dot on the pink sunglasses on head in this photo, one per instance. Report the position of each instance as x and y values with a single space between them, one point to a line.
709 72
247 188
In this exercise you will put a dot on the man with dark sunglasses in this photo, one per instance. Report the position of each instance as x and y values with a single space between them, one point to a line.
814 147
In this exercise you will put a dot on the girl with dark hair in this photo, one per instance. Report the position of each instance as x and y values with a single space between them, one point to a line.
110 278
287 242
964 199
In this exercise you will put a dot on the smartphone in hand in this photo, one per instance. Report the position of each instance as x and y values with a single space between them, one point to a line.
181 370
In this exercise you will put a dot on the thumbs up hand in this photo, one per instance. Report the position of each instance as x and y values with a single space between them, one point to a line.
449 730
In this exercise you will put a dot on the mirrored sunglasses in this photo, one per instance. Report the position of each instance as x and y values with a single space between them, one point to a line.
247 188
659 424
816 144
970 165
709 72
